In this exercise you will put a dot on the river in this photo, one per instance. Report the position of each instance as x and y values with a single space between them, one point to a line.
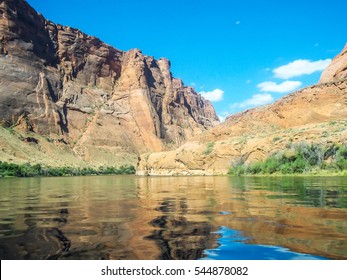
202 217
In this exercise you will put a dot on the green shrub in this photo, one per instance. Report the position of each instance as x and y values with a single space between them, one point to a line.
127 169
341 158
237 170
287 168
313 153
209 148
271 165
300 165
28 170
255 167
299 158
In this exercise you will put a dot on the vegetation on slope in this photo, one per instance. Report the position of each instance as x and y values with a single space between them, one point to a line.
28 170
297 159
209 148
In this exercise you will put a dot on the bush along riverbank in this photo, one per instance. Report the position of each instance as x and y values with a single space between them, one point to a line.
302 158
28 170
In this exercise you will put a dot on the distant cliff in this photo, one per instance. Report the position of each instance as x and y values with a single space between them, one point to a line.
86 98
337 69
316 114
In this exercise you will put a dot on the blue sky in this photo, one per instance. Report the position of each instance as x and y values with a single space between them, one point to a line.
238 54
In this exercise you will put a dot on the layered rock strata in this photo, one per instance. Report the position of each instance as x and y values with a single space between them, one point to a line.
103 103
316 114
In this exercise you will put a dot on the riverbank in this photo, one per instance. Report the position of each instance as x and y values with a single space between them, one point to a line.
29 170
322 173
296 159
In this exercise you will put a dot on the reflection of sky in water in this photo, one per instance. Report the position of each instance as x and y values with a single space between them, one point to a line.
233 247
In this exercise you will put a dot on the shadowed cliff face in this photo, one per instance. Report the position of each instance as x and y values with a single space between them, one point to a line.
104 103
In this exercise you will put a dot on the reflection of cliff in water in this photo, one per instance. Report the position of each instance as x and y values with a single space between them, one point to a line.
35 242
306 215
176 236
67 218
126 217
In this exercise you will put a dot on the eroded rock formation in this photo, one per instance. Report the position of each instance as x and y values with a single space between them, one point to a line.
337 70
316 114
105 104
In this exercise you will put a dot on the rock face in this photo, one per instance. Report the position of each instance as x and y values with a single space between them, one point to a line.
105 104
315 114
337 70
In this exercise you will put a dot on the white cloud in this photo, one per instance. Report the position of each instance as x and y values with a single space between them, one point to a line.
248 81
256 100
223 116
238 22
234 106
286 86
300 67
214 95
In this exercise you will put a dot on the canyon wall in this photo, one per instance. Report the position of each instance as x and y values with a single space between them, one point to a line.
316 114
102 104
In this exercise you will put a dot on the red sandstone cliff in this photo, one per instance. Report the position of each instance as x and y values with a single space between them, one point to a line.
60 83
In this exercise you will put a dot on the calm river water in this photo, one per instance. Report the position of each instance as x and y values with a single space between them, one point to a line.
128 217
